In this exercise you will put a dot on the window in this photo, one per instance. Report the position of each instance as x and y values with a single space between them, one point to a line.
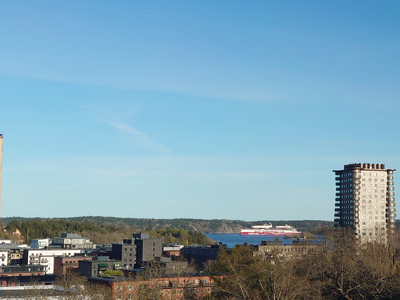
130 287
120 288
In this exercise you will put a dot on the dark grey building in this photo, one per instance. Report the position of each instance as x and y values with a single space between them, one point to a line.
98 265
201 254
147 249
126 253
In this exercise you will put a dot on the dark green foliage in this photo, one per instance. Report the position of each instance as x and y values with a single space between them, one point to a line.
180 236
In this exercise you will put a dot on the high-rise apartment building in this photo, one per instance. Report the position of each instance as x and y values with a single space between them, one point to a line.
365 200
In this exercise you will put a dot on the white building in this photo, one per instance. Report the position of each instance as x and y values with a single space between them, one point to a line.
39 243
72 241
3 257
365 200
46 257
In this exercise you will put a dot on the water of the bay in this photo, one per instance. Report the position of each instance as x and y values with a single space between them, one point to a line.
232 239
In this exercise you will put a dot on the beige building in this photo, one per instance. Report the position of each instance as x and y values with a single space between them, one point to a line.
365 200
275 250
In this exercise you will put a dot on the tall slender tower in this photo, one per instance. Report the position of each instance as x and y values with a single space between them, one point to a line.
1 163
365 201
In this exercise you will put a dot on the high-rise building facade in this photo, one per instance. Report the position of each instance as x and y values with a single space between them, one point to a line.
365 201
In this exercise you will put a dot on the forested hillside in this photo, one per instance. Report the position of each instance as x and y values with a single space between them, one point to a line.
98 233
197 225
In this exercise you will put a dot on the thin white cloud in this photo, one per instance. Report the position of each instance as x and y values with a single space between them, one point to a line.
140 139
118 116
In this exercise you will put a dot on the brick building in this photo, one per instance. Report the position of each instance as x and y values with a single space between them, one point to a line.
63 264
199 286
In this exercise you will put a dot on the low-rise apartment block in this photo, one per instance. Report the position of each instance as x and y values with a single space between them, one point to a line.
45 257
65 264
182 287
72 241
275 250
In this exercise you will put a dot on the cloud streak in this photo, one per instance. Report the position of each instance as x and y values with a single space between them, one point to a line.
138 138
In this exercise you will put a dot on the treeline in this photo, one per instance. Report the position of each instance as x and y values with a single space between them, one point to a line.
100 233
50 228
199 225
339 269
180 236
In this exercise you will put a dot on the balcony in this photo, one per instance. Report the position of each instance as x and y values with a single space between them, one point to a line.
337 215
391 210
390 177
337 194
337 209
390 188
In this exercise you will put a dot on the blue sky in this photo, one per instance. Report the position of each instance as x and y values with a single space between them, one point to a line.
193 109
